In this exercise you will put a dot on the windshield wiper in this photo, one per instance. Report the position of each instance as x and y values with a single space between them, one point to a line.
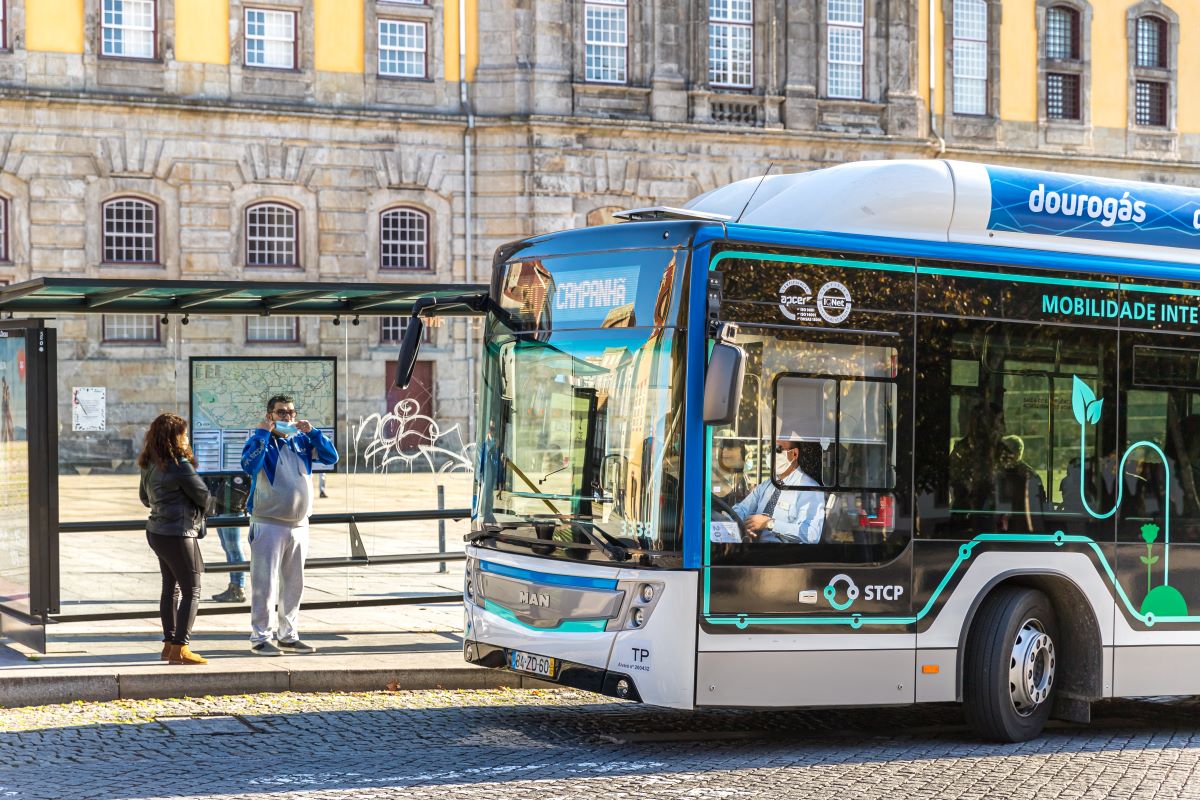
546 477
497 531
615 551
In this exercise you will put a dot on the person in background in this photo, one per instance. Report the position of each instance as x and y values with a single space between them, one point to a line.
728 470
178 501
231 543
278 457
1021 503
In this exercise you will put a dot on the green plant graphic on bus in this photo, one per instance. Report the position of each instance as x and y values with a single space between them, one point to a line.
1149 536
1164 600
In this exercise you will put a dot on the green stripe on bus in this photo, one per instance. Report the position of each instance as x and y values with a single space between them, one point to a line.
566 626
856 621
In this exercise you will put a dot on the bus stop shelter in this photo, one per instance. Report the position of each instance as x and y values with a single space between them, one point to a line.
74 404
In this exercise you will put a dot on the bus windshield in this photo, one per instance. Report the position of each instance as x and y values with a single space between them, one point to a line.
581 428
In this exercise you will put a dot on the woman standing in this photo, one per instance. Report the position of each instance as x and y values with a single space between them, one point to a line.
178 501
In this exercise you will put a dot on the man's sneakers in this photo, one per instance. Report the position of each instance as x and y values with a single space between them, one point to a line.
296 647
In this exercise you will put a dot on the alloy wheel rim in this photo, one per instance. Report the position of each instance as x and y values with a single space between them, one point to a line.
1031 667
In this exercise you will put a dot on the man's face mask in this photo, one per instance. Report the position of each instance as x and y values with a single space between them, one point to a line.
784 459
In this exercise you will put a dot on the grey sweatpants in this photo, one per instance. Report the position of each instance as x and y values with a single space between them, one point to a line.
277 555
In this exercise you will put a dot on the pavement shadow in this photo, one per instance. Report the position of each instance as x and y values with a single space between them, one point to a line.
374 750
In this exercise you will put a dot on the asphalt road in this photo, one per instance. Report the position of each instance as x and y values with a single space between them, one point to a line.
550 744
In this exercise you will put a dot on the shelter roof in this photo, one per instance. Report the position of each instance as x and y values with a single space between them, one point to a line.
118 296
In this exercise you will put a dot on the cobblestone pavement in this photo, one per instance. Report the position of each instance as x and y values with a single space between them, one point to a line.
564 744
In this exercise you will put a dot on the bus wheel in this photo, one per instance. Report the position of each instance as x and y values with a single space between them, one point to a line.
1008 671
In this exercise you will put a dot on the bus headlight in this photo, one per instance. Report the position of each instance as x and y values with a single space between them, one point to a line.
641 598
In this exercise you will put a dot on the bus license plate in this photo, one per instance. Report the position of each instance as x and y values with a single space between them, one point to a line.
534 665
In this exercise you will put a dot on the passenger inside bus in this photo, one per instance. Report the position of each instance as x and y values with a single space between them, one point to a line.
728 470
1021 502
795 516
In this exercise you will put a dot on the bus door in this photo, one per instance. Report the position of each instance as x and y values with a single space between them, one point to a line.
809 497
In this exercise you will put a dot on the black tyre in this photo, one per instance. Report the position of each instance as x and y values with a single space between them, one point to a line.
1010 665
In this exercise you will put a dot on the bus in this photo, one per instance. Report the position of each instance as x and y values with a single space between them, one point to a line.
884 433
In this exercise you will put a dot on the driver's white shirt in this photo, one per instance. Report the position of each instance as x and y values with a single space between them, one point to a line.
799 516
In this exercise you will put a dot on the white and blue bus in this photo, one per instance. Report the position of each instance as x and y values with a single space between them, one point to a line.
886 433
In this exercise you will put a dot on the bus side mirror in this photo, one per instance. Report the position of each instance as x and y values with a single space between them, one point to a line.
410 346
723 384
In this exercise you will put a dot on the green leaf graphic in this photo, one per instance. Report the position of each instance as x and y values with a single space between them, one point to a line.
1093 411
1081 398
1149 561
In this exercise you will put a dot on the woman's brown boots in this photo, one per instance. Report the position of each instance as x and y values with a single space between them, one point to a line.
182 654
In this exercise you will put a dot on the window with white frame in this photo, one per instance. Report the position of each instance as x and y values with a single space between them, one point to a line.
392 329
403 239
970 56
128 28
401 48
130 328
844 40
731 43
272 329
270 38
271 236
130 231
3 224
605 40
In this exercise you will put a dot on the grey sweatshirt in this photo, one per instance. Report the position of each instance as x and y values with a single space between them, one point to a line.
287 501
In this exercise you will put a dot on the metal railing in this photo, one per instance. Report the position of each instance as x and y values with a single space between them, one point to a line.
358 557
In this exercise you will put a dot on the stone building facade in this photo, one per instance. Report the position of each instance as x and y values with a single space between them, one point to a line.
219 113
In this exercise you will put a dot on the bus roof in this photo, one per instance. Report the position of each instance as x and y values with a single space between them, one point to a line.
966 203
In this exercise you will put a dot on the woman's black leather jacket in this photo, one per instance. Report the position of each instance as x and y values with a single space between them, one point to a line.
177 498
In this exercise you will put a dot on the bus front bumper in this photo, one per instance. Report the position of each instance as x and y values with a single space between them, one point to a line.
566 673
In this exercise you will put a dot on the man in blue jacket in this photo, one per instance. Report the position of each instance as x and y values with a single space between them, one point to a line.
278 457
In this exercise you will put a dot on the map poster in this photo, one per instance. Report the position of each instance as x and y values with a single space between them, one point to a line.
229 398
88 408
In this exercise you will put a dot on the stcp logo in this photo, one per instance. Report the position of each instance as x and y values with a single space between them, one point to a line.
831 591
796 301
845 585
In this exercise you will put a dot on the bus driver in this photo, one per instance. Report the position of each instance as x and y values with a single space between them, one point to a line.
773 515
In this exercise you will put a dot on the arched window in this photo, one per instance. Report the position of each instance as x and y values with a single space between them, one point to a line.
403 239
1152 78
970 57
130 231
272 236
1064 81
1151 42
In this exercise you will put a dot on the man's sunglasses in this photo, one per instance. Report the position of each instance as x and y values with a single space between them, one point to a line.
280 412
